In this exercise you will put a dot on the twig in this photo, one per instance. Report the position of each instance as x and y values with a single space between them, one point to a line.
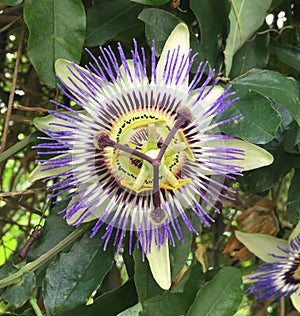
29 108
12 94
22 192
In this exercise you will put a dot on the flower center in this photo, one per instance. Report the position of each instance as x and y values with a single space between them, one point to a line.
146 152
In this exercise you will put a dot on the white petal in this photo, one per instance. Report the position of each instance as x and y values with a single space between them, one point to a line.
37 173
262 245
63 69
295 298
159 261
254 156
295 232
179 36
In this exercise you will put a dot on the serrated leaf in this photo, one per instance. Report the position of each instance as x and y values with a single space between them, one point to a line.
245 16
106 19
73 276
20 292
258 123
219 297
293 203
57 30
283 90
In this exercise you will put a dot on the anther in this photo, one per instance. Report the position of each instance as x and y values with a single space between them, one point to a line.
184 117
158 216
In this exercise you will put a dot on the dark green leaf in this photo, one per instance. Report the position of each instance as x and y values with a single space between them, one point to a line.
207 11
253 54
174 304
245 16
283 90
291 139
293 204
145 284
219 297
258 123
180 253
57 30
133 311
11 2
73 276
106 19
55 230
263 179
20 292
288 54
151 2
158 26
110 303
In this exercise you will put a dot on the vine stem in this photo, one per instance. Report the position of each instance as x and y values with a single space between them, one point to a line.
12 94
32 266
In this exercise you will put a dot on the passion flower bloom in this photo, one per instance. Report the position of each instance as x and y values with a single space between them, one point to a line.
135 153
280 274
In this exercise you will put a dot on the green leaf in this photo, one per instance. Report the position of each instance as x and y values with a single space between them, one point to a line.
219 297
207 11
133 311
110 303
288 54
73 276
151 2
258 123
180 253
170 303
20 292
145 284
253 54
261 180
11 2
271 84
55 230
56 30
245 16
293 203
106 19
158 26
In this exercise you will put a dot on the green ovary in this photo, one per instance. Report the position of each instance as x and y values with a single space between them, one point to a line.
146 133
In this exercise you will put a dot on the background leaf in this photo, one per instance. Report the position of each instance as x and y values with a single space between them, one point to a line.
158 26
20 292
57 30
258 123
293 204
241 26
288 54
73 276
283 90
219 297
106 19
211 35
